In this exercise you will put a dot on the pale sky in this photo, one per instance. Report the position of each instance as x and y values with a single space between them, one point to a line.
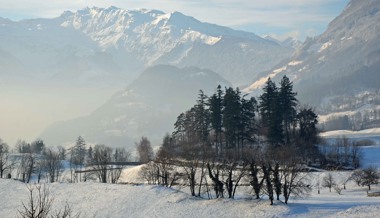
281 18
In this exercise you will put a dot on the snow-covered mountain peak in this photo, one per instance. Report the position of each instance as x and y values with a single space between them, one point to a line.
151 34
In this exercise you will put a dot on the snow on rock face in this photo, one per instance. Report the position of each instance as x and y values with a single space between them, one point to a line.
132 40
325 46
294 63
150 32
155 37
344 59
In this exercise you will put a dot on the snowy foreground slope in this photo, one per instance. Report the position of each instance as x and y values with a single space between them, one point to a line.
106 200
110 200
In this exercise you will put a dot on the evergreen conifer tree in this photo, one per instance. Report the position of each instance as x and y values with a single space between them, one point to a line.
287 103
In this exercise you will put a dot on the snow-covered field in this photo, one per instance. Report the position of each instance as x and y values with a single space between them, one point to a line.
121 200
116 200
106 200
109 200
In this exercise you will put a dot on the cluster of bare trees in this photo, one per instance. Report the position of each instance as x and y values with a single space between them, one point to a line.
45 163
48 166
36 162
32 159
277 176
100 162
107 163
362 177
341 153
366 177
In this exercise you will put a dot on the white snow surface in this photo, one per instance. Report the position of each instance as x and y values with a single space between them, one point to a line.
116 200
106 200
126 200
129 200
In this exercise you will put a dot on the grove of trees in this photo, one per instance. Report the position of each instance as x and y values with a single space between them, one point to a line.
34 162
232 140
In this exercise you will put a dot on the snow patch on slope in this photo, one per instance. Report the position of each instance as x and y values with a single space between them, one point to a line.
325 46
349 133
261 82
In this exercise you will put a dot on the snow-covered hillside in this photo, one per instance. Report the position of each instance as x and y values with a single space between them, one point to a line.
344 60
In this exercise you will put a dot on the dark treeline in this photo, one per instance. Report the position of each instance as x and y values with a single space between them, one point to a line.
357 119
229 137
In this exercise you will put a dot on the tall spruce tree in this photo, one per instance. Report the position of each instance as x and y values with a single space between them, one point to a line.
231 117
271 113
202 118
179 128
247 125
287 103
216 107
78 152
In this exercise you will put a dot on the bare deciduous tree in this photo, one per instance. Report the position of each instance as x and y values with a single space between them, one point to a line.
357 176
217 183
370 176
254 173
166 172
26 167
144 150
149 173
268 181
52 165
295 181
39 205
62 152
233 173
338 188
4 157
102 155
328 181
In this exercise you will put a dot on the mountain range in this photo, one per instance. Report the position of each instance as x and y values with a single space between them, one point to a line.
112 45
181 55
